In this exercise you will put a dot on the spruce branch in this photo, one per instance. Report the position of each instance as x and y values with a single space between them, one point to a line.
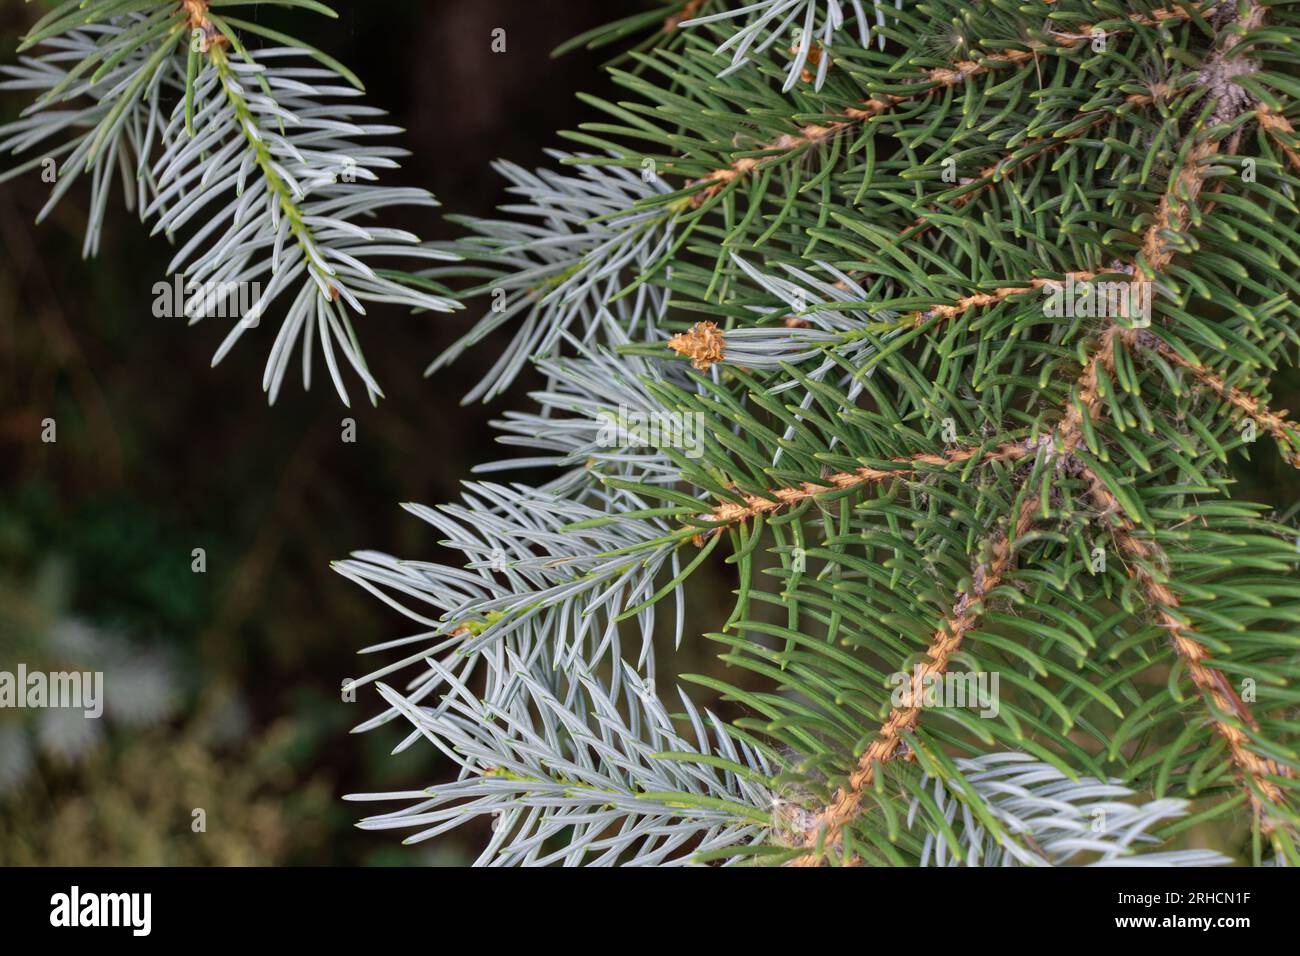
258 152
768 328
561 758
849 310
986 576
1171 216
935 81
776 327
1285 433
1228 712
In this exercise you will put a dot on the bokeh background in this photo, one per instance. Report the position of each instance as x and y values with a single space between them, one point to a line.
229 680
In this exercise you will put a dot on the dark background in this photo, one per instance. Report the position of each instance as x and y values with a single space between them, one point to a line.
157 454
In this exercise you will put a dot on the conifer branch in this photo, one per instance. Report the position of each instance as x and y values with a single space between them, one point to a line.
519 671
824 835
941 78
1142 558
1171 215
260 155
996 172
1286 433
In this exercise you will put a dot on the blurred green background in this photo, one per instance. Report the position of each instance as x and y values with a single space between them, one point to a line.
234 674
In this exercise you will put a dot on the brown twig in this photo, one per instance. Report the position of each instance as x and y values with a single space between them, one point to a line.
982 300
675 20
706 345
197 11
730 513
